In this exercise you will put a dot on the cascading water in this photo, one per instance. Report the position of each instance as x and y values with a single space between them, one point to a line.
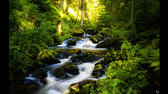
55 66
61 86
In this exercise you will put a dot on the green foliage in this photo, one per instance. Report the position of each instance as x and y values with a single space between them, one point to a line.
46 53
24 48
125 74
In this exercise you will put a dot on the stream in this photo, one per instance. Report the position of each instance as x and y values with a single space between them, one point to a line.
56 85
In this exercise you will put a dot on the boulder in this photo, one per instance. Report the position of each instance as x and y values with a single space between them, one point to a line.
67 68
72 42
110 43
94 39
40 74
77 32
50 60
60 73
71 68
86 57
91 31
74 87
82 87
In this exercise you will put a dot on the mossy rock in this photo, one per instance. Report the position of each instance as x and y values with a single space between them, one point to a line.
86 85
91 31
86 88
67 68
68 51
74 88
86 57
60 73
48 56
94 39
72 42
71 68
50 60
77 32
40 74
110 43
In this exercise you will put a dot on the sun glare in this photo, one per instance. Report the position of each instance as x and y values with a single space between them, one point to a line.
71 11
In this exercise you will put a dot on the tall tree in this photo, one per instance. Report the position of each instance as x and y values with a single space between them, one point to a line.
82 12
62 1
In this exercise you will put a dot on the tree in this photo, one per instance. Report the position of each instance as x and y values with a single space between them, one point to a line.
82 12
59 27
62 5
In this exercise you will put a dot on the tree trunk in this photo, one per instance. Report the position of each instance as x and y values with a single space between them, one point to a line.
62 1
68 1
59 27
82 13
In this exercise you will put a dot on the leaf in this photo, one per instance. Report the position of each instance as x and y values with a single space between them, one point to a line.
155 64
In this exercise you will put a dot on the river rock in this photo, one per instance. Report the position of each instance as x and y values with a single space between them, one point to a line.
91 31
72 42
71 68
81 87
40 74
60 73
50 60
77 32
94 39
67 68
87 57
74 87
110 43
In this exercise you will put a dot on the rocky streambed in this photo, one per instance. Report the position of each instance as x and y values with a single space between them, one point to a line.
81 61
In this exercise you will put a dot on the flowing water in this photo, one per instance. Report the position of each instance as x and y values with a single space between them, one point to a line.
61 86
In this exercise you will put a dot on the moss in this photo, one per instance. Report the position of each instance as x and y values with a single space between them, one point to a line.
94 39
77 32
71 68
91 31
86 88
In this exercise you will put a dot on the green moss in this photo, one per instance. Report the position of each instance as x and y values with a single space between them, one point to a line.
77 32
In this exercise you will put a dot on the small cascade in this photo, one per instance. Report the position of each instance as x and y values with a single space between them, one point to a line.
59 86
86 35
57 65
31 78
85 43
65 43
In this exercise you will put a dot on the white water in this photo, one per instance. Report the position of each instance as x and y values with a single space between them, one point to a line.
59 86
57 65
33 79
65 43
84 43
